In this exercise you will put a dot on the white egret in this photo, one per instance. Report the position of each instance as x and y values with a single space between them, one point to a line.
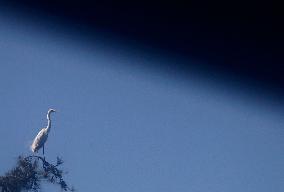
41 137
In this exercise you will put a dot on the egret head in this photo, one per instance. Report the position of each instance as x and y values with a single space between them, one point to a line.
50 111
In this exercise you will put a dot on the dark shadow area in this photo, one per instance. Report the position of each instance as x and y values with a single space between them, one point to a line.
242 40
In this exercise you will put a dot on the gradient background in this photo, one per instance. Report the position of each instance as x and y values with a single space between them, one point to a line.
134 118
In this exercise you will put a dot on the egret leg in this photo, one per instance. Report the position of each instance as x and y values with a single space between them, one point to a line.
43 149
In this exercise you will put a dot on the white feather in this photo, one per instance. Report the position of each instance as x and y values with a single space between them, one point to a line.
41 137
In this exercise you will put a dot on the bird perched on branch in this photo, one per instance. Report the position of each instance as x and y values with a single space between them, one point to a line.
41 137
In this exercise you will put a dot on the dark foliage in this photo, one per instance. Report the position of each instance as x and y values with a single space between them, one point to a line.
29 172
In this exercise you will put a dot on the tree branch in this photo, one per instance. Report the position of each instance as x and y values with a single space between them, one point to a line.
27 175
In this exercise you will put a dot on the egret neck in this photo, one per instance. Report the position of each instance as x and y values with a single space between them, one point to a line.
48 123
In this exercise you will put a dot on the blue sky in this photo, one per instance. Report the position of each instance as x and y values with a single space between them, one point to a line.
123 126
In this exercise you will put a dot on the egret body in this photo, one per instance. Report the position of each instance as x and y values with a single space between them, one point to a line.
41 137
